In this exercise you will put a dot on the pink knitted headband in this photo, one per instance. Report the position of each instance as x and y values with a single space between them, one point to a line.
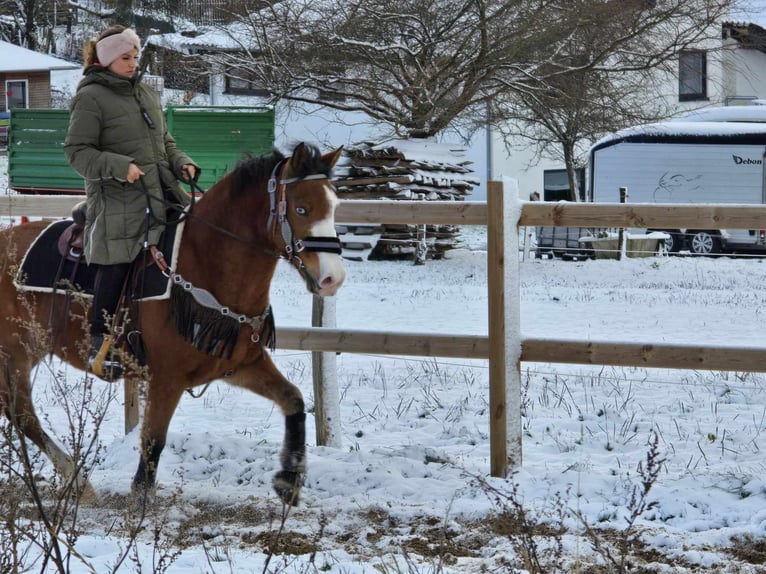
112 47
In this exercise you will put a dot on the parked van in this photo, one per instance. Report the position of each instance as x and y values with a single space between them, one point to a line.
708 156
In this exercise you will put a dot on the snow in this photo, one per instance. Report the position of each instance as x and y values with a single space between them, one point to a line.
14 58
414 445
687 128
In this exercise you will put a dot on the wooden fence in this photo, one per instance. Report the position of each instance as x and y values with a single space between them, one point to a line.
504 349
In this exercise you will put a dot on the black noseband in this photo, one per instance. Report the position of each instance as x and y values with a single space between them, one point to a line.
322 244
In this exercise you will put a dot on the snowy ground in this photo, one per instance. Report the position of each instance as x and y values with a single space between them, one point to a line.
405 493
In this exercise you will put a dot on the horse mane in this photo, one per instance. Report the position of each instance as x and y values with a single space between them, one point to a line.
252 170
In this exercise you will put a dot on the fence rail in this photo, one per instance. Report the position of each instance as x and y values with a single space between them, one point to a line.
535 213
502 346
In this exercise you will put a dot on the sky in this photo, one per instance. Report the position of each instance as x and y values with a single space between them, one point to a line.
414 454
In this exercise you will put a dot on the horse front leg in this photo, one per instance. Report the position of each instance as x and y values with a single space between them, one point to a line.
264 379
162 399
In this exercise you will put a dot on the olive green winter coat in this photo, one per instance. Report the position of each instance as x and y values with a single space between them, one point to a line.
116 121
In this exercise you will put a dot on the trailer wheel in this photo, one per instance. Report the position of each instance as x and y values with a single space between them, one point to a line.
704 242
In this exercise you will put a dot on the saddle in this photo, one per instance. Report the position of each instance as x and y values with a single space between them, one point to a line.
70 243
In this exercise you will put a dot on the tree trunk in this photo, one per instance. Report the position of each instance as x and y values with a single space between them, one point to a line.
569 160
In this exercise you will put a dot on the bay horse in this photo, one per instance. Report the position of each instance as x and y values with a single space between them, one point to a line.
268 208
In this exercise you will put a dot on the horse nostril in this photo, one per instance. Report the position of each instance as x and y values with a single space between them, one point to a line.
327 281
332 281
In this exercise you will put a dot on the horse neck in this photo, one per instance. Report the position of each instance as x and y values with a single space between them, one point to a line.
237 272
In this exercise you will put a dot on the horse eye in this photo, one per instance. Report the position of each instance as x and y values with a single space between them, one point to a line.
301 211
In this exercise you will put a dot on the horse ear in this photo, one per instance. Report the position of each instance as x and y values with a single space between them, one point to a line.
299 154
331 158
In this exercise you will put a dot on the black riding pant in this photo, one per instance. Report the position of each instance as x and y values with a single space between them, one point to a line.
106 296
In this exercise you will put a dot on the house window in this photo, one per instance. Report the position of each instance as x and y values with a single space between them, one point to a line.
556 184
331 94
239 81
16 93
692 76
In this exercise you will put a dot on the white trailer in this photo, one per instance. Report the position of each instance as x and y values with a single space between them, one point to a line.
685 161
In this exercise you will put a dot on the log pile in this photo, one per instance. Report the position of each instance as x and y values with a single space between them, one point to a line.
404 170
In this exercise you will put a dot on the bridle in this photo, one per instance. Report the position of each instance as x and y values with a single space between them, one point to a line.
277 222
277 188
189 322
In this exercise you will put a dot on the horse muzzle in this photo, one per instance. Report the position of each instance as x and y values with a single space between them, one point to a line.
331 274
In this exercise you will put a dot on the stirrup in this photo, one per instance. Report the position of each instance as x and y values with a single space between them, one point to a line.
101 366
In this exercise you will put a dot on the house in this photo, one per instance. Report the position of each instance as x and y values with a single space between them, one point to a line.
731 71
26 77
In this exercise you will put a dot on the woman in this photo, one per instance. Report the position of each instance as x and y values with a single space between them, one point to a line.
118 141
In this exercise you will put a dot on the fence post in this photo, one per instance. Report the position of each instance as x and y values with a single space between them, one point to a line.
621 239
132 400
325 376
503 212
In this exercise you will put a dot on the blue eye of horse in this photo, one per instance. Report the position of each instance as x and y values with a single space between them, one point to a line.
301 211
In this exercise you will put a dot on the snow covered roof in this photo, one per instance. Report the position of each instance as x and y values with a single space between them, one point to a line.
204 38
744 132
14 58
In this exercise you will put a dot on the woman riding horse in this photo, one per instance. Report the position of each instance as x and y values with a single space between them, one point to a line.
217 319
118 141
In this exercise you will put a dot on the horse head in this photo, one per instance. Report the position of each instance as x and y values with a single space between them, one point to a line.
303 217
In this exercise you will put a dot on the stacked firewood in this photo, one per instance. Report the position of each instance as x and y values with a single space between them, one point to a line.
404 170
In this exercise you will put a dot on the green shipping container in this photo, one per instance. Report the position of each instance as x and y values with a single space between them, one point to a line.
36 160
215 137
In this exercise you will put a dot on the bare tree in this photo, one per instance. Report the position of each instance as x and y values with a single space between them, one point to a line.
416 65
563 116
423 65
22 20
611 77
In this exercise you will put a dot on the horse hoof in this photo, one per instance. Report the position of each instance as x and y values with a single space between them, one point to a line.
287 484
141 496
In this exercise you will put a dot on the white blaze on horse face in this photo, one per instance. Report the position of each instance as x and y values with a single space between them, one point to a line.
331 270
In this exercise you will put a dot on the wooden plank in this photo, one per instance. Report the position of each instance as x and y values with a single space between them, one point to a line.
382 342
131 407
643 215
498 445
534 213
437 212
649 355
373 181
325 376
38 205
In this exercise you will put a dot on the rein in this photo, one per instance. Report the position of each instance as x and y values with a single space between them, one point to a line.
210 326
277 214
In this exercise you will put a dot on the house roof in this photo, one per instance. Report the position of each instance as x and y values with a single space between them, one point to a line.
205 39
14 58
750 36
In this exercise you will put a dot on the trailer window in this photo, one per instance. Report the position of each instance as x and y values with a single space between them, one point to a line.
692 75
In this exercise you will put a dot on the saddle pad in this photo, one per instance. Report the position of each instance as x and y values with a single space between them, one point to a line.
42 263
149 284
42 260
